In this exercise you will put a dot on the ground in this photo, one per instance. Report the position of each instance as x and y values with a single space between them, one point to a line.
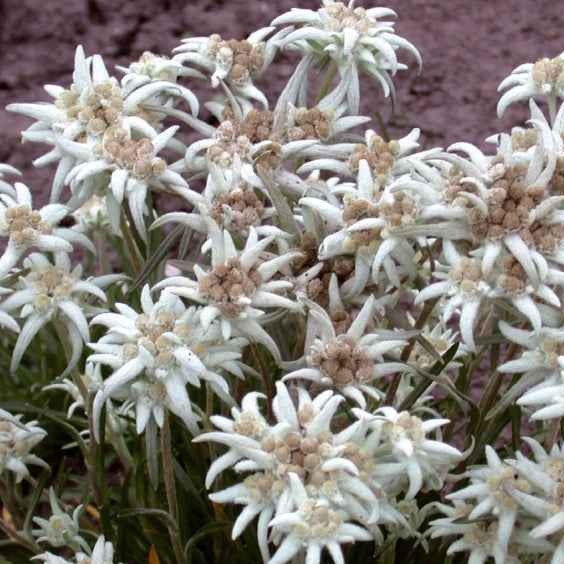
468 47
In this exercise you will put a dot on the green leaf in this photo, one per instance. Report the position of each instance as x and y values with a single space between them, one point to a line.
202 533
159 513
157 257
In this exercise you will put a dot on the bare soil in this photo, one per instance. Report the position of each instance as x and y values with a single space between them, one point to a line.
468 47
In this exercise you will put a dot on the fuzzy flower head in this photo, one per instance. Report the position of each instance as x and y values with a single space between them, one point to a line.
129 167
479 537
26 228
61 529
92 216
301 444
409 454
355 38
237 286
350 361
313 526
150 67
503 205
543 79
91 381
237 63
246 138
544 503
365 217
494 488
156 353
103 553
55 291
95 104
17 440
232 203
464 285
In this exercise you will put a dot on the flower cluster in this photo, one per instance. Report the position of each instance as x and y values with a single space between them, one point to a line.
278 296
511 508
17 440
309 484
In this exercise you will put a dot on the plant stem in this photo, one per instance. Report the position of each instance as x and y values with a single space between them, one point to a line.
132 249
103 266
168 476
95 468
8 500
427 309
17 538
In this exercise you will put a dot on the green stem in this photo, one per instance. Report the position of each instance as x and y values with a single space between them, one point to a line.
132 248
425 313
172 500
18 539
8 498
95 468
103 264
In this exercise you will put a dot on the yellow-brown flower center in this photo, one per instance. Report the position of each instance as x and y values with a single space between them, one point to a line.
135 155
238 209
227 283
344 362
548 74
24 225
379 154
101 109
244 59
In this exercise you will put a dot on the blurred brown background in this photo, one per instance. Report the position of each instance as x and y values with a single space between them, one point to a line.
468 47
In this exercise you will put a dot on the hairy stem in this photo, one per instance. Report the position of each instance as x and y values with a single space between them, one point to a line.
170 488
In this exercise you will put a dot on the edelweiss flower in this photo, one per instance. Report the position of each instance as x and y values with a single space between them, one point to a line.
27 228
313 526
129 167
503 204
406 451
93 105
52 291
91 380
545 502
385 160
480 537
60 529
302 444
149 68
235 62
244 139
441 339
543 79
354 38
92 216
103 553
237 286
464 286
156 353
495 488
372 210
540 364
233 204
16 443
350 361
